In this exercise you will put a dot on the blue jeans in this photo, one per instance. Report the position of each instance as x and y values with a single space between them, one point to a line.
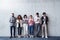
31 30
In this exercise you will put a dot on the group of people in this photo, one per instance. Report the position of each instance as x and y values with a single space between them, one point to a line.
29 26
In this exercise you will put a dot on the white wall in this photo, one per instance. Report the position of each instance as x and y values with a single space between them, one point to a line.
51 7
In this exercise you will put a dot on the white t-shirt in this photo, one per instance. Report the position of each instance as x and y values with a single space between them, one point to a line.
44 19
37 19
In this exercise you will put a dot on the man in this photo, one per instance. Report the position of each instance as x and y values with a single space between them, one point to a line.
37 24
12 25
44 20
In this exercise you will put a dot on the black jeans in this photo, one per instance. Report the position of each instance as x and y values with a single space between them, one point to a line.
12 30
19 30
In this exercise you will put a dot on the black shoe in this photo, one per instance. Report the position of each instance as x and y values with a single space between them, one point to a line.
11 37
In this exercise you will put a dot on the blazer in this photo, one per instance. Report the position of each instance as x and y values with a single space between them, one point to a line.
17 23
46 20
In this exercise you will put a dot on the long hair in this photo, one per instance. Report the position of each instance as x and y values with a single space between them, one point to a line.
20 17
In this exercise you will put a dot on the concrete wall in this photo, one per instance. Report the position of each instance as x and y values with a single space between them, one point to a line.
51 7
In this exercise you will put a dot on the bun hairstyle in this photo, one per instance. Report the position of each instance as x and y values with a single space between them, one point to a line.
25 16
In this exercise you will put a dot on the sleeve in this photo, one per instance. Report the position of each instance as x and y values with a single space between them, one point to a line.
28 21
21 23
47 18
17 21
10 20
34 19
40 21
41 18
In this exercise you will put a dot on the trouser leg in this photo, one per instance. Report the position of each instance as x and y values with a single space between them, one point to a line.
45 31
31 30
42 31
14 31
35 30
24 31
38 29
11 31
18 30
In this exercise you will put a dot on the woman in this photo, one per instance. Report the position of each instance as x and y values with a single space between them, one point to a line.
31 26
19 25
25 26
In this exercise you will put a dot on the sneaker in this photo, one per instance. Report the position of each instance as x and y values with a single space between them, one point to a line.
42 36
46 37
11 37
32 36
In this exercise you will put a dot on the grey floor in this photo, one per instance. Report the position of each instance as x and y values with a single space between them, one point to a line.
50 38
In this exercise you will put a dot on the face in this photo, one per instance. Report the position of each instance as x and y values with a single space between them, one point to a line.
13 14
25 16
37 15
19 16
30 16
44 14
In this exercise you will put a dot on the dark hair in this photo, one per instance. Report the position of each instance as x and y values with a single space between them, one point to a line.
37 13
20 17
25 16
12 13
44 13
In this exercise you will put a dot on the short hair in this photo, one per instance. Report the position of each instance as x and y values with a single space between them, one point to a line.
44 13
37 13
12 13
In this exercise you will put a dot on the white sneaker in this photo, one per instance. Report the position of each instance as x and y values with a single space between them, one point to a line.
42 36
18 36
46 37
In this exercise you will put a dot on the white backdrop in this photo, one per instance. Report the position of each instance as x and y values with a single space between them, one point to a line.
51 7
